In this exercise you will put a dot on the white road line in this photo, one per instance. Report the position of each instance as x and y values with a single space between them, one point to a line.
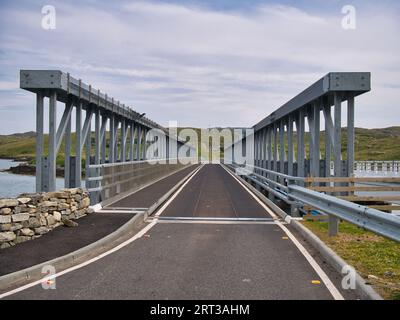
166 204
217 222
321 273
120 246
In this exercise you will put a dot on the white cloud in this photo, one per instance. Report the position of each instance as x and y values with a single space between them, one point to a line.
203 67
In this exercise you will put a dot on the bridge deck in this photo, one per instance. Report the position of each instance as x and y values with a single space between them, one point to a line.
195 259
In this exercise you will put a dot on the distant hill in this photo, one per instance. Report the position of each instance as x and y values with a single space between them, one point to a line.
370 144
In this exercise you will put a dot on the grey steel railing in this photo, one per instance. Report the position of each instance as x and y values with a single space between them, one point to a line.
292 192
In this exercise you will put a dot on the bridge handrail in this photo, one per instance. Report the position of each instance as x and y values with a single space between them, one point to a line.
154 160
374 220
370 219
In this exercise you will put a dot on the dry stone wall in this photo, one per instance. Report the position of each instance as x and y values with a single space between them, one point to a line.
31 215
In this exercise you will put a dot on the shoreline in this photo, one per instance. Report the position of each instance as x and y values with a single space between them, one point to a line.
27 169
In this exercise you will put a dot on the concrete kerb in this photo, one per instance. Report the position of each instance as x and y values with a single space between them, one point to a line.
363 290
100 246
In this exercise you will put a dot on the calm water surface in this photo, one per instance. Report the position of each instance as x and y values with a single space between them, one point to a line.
11 185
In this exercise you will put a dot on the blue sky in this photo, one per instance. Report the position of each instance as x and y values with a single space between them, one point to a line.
202 63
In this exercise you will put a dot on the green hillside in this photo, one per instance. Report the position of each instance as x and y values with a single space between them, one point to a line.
371 144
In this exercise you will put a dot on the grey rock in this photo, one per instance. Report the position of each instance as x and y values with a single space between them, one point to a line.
7 236
26 232
20 217
34 223
8 203
5 219
24 200
41 230
5 211
69 223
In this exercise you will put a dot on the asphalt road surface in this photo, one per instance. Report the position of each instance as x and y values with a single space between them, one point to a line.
192 259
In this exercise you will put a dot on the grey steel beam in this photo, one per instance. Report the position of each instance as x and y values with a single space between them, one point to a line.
350 136
337 152
290 145
328 139
269 148
67 152
37 80
78 145
123 140
131 140
63 123
39 139
52 140
138 142
275 136
316 142
111 152
356 82
86 126
282 146
300 127
104 120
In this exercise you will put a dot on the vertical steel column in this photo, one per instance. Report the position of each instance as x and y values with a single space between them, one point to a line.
67 150
131 140
290 144
264 149
275 168
300 127
337 150
350 136
282 146
310 120
269 147
316 143
52 140
116 126
144 148
328 139
104 138
97 137
111 151
78 146
39 139
88 144
138 143
123 140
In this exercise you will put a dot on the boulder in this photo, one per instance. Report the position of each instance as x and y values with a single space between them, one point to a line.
57 216
69 223
24 200
41 230
7 236
5 219
26 232
34 223
8 203
20 217
5 211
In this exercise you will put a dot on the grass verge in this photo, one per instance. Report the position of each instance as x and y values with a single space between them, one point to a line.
375 258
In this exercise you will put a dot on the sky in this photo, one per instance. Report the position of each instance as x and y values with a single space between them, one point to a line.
201 63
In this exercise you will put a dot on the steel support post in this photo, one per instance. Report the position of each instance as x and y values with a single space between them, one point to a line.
316 141
300 127
337 150
282 146
67 151
269 148
123 140
264 149
78 146
275 136
328 139
290 144
138 142
103 137
111 151
350 136
88 144
52 140
310 120
144 148
116 126
131 140
39 139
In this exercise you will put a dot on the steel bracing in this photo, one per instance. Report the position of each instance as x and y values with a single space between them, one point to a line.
106 131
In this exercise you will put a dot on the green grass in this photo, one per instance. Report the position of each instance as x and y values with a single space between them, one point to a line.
368 253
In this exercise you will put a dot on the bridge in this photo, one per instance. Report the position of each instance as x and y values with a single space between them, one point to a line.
202 229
